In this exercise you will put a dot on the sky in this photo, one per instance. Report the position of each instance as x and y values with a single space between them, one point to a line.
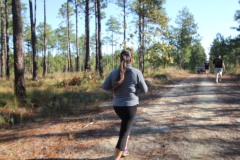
212 16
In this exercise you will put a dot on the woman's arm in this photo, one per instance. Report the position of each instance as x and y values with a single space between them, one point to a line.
107 85
142 84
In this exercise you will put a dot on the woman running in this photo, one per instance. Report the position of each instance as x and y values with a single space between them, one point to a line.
125 83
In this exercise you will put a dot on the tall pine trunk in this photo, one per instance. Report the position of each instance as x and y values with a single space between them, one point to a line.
99 38
3 38
96 36
19 81
112 53
87 54
141 35
7 42
44 43
33 38
70 67
124 24
77 52
143 39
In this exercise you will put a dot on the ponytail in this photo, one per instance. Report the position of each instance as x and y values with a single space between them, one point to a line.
125 58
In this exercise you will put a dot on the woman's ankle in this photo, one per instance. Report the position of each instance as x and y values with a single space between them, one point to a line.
118 154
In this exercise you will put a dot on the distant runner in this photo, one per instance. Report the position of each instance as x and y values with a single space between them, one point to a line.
206 66
219 67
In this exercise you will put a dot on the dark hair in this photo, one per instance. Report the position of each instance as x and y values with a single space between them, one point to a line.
125 58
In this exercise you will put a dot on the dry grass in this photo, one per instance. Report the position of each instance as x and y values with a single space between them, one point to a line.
171 73
46 98
62 94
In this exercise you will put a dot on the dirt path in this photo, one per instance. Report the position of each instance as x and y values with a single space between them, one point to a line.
197 119
193 119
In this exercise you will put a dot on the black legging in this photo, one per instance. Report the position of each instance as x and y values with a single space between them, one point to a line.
127 115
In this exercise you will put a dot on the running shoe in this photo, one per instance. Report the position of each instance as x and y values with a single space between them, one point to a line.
125 153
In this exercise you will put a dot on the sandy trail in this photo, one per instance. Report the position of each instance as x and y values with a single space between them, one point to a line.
196 119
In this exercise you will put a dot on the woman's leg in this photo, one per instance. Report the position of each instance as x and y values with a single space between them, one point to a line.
220 75
127 142
216 74
125 152
127 115
217 77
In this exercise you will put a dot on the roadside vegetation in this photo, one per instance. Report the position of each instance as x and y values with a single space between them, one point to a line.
64 94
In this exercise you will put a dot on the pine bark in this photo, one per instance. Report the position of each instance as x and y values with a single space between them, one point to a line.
77 52
3 37
141 35
33 38
99 39
19 81
96 36
70 67
7 41
124 24
87 50
44 43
